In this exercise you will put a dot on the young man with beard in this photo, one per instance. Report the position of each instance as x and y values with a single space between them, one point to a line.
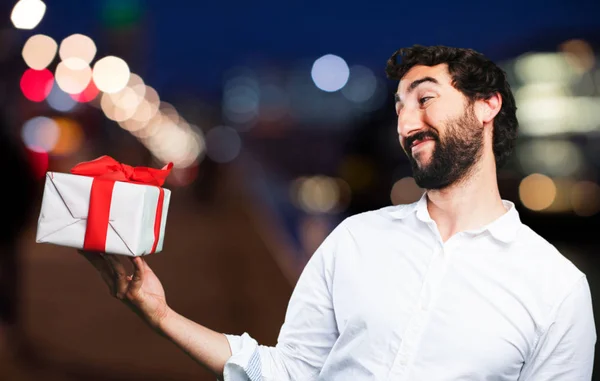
452 287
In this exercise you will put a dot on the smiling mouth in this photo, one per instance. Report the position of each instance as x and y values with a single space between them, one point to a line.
418 142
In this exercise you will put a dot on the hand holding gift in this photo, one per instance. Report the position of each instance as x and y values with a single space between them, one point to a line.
107 207
103 207
142 292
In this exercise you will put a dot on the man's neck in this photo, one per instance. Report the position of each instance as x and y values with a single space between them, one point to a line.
469 204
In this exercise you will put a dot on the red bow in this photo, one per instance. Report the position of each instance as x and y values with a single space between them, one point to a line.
105 170
108 168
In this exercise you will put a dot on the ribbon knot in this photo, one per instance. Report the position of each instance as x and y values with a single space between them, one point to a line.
105 170
106 167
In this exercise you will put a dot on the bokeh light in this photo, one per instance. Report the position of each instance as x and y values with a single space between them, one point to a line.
137 85
133 107
111 74
555 157
73 75
136 81
142 116
27 14
169 111
77 46
316 194
39 51
88 94
377 100
194 149
344 195
180 177
579 54
114 111
168 141
223 144
241 96
59 100
127 99
361 85
330 73
139 102
36 84
148 107
405 191
585 198
544 68
124 103
150 128
537 192
179 145
70 137
40 134
561 202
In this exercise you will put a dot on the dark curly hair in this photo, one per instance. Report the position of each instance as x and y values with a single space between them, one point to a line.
476 77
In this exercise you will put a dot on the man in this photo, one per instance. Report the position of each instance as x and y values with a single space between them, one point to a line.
452 287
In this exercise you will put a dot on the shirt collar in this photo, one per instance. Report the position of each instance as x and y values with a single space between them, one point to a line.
504 228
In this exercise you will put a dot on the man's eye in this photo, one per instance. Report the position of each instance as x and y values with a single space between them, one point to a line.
424 99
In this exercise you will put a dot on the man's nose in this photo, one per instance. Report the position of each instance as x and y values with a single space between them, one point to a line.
409 121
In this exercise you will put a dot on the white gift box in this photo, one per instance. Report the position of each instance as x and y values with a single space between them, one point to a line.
65 204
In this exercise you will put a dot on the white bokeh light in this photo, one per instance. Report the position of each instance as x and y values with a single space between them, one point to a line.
111 74
73 75
27 14
330 73
39 51
79 46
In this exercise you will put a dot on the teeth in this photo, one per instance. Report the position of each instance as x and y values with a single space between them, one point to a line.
419 142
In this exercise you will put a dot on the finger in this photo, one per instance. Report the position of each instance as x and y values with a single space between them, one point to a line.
119 276
137 279
106 271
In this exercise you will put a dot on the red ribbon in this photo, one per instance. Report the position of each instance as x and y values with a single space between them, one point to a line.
105 170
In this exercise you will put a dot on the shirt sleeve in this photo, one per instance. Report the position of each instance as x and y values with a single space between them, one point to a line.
565 352
307 335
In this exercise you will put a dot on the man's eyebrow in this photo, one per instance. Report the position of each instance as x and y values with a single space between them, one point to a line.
415 84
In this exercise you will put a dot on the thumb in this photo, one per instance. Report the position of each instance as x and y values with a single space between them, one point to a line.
137 279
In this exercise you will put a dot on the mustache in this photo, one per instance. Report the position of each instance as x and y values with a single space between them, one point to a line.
421 135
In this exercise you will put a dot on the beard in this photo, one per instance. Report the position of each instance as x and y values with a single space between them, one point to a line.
452 157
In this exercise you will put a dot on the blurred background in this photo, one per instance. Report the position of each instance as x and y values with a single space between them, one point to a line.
280 123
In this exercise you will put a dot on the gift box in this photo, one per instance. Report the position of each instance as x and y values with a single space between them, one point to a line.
105 206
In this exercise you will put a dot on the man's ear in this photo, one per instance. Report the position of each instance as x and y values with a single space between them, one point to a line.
488 108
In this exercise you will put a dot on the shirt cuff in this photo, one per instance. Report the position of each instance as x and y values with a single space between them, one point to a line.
244 363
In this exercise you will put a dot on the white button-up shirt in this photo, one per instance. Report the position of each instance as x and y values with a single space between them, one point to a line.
384 298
